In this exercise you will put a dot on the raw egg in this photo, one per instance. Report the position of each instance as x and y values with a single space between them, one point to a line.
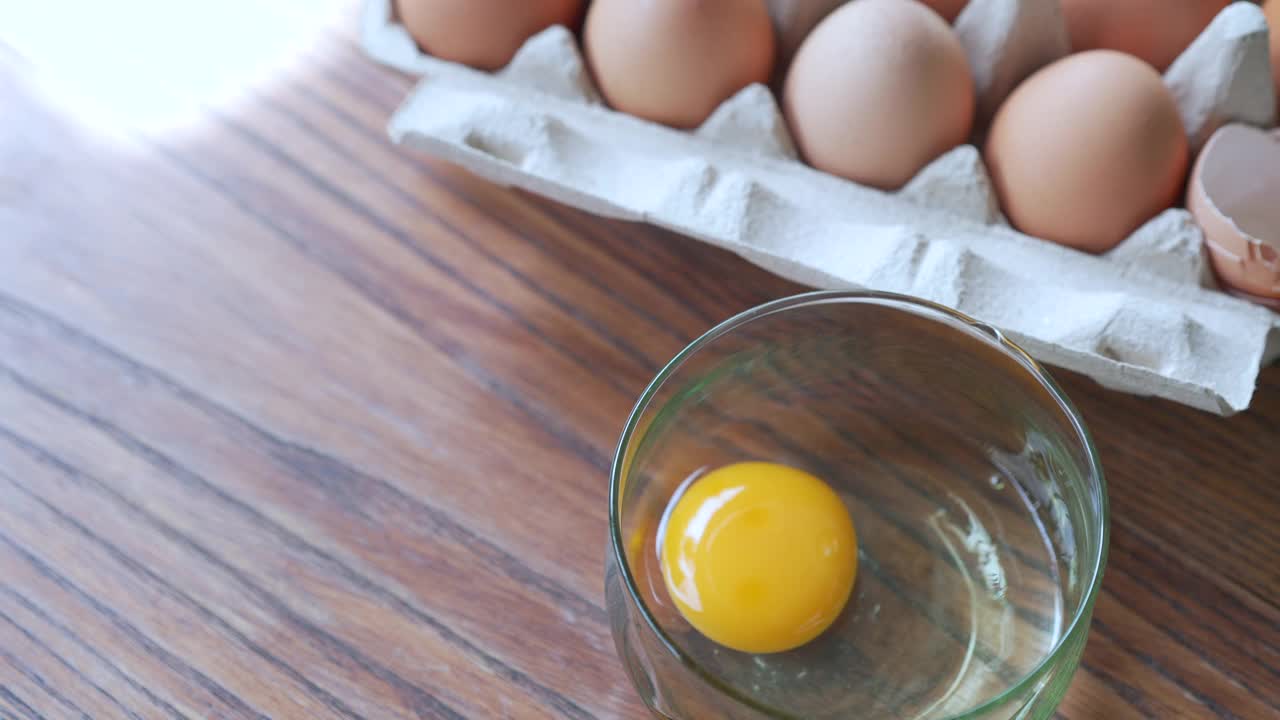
878 90
759 557
675 61
1155 30
484 34
1234 195
1088 149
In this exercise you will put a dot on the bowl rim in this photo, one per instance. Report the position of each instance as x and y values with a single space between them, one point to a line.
1080 620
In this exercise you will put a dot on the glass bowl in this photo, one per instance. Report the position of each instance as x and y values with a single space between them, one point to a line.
978 499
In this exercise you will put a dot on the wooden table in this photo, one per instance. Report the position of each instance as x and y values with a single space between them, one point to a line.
294 424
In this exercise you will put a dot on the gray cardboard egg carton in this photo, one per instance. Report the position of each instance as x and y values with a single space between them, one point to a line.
1145 318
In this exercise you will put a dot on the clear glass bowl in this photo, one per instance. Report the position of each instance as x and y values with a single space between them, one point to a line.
977 495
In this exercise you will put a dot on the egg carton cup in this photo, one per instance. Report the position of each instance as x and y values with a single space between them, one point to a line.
1145 318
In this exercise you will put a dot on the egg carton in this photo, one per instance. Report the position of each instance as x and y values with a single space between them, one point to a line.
1145 318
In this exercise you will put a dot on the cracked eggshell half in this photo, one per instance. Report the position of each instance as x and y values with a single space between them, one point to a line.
1234 195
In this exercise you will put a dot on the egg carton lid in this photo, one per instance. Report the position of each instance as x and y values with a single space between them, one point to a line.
1145 318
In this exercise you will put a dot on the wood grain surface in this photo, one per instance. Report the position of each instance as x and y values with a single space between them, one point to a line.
294 424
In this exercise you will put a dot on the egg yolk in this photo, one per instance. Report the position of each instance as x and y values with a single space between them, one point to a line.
759 557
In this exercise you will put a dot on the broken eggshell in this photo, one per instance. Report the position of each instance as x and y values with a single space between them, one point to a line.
1234 195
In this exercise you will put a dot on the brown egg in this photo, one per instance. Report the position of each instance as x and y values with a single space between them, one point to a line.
484 34
948 9
1155 30
879 89
675 61
795 19
1087 149
1272 10
1234 195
